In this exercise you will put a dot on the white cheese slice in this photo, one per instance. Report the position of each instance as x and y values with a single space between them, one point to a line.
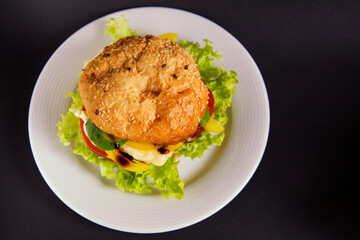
153 157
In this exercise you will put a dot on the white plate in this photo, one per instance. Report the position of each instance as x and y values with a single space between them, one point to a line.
211 182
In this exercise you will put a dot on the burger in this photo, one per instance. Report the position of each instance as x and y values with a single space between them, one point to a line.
143 102
143 97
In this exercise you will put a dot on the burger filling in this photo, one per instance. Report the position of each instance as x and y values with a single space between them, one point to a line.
145 152
131 155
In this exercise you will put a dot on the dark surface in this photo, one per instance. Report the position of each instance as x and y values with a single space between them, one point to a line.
306 185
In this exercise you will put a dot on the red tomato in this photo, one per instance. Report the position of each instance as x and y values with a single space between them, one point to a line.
195 135
90 145
211 102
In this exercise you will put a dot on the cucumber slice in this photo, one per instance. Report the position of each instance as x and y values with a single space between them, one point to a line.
206 118
101 139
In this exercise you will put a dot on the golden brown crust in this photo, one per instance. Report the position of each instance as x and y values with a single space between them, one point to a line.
144 89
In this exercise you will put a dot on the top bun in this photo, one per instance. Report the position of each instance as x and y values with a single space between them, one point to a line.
145 89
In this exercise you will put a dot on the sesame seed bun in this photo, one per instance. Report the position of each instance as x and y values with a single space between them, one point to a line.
145 89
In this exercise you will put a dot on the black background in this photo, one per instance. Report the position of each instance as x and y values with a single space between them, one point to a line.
306 185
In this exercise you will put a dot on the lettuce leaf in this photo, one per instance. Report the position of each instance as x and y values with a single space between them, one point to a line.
166 178
118 28
222 85
197 147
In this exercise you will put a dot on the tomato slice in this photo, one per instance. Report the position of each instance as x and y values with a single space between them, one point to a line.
196 134
90 145
211 102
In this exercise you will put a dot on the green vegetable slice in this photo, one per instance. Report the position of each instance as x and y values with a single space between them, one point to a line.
101 139
206 118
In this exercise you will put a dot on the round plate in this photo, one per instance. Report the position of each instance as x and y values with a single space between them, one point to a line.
211 181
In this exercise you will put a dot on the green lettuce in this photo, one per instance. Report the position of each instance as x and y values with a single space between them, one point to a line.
197 147
166 178
222 85
118 28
